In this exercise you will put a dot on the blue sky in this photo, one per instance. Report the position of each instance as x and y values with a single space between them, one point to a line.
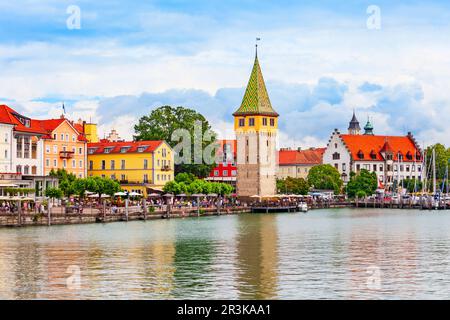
319 59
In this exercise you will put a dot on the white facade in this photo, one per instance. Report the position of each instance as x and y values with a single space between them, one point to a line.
387 170
6 133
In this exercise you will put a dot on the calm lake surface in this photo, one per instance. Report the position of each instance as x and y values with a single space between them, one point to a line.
324 254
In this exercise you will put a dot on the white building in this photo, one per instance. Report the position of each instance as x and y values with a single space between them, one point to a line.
392 158
21 148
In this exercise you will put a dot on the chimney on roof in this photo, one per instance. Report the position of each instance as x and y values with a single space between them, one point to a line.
299 149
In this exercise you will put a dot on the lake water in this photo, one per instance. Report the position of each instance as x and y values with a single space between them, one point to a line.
324 254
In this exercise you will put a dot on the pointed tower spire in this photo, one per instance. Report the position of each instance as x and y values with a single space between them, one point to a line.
354 127
368 128
256 99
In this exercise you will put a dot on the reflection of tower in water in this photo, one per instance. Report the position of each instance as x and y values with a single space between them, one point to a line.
257 256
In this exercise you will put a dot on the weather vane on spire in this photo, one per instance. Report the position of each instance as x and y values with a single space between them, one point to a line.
256 45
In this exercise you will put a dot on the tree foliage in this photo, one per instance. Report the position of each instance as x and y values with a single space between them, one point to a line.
184 184
442 159
325 177
292 185
54 193
362 184
163 121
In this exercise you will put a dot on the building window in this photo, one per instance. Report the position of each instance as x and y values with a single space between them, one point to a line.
251 122
225 173
374 168
26 170
122 165
272 122
91 165
55 149
80 150
6 154
164 152
344 167
103 164
74 164
47 149
358 167
145 164
19 169
264 121
19 146
336 156
113 165
67 137
64 163
381 168
241 122
145 178
55 163
81 163
73 138
233 173
216 173
122 177
6 137
336 166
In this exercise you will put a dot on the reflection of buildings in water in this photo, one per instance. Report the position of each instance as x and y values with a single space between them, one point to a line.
157 259
380 257
62 265
257 260
192 261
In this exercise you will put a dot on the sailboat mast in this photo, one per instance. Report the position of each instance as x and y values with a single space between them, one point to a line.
434 171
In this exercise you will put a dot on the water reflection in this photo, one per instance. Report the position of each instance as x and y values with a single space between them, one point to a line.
324 254
257 257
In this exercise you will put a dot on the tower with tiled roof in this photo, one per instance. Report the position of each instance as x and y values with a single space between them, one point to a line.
256 126
368 128
354 127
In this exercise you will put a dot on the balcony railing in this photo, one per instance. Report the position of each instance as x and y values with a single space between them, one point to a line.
66 154
165 168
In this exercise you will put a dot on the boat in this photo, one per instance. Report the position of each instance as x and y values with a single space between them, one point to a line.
302 207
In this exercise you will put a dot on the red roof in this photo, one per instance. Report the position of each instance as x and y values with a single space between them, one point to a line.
232 143
10 116
368 144
311 156
51 124
99 147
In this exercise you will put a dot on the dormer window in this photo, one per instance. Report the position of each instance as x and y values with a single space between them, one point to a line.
400 156
91 150
141 149
373 155
409 156
108 150
360 154
124 149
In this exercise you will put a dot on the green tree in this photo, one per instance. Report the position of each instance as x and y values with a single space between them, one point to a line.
412 185
163 121
442 159
325 177
293 186
54 193
364 182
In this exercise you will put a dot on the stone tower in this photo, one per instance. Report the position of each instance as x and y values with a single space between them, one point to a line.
256 126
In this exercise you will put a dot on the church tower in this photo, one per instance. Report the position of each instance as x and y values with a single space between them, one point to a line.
354 127
256 126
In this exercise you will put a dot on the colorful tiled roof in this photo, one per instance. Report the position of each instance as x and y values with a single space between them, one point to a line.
311 156
51 124
256 99
367 145
10 116
116 147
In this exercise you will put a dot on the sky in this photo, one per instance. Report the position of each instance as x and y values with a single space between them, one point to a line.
387 60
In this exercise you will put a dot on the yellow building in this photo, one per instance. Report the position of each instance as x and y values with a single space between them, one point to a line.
139 166
64 146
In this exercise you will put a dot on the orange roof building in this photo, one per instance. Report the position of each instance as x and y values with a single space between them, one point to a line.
297 163
392 158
